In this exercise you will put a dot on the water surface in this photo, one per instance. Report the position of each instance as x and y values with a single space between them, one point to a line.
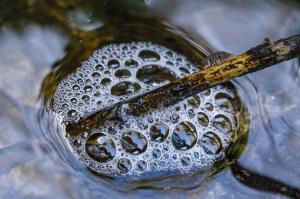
38 37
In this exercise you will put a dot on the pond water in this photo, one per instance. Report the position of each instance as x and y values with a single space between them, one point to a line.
43 41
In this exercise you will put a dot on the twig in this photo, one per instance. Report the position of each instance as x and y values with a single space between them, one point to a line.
257 58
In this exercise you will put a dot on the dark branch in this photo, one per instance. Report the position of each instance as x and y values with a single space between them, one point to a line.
257 58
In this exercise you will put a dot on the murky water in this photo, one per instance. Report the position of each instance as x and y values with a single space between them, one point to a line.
42 42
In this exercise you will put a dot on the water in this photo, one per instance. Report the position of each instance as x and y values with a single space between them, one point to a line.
35 162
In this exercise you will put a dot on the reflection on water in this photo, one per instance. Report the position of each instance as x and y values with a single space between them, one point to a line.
36 36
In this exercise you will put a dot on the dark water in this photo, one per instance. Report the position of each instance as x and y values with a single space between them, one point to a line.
36 38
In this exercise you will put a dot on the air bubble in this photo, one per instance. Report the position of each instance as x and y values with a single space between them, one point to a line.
131 63
159 132
72 113
99 67
80 81
77 143
224 102
105 81
156 153
142 123
222 123
100 147
149 56
85 98
65 106
206 92
150 119
113 63
153 165
74 100
96 75
88 88
185 161
124 165
134 142
191 113
184 70
202 119
161 163
169 53
76 87
142 165
184 136
211 143
125 88
174 118
194 101
111 130
155 75
122 73
208 106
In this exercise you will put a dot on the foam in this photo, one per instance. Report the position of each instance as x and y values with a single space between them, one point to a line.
116 69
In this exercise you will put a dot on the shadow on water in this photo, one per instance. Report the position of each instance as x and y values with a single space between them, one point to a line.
38 37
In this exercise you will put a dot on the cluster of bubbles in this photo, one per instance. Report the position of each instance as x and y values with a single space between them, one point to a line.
189 136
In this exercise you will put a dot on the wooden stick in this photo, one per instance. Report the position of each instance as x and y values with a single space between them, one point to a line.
257 58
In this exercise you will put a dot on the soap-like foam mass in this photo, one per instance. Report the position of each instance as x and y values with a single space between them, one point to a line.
187 137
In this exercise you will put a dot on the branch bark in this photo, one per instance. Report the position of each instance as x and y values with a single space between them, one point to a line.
257 58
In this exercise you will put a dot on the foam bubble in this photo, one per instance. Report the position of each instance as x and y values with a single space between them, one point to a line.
188 136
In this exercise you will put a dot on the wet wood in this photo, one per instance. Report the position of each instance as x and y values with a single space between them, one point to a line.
257 58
